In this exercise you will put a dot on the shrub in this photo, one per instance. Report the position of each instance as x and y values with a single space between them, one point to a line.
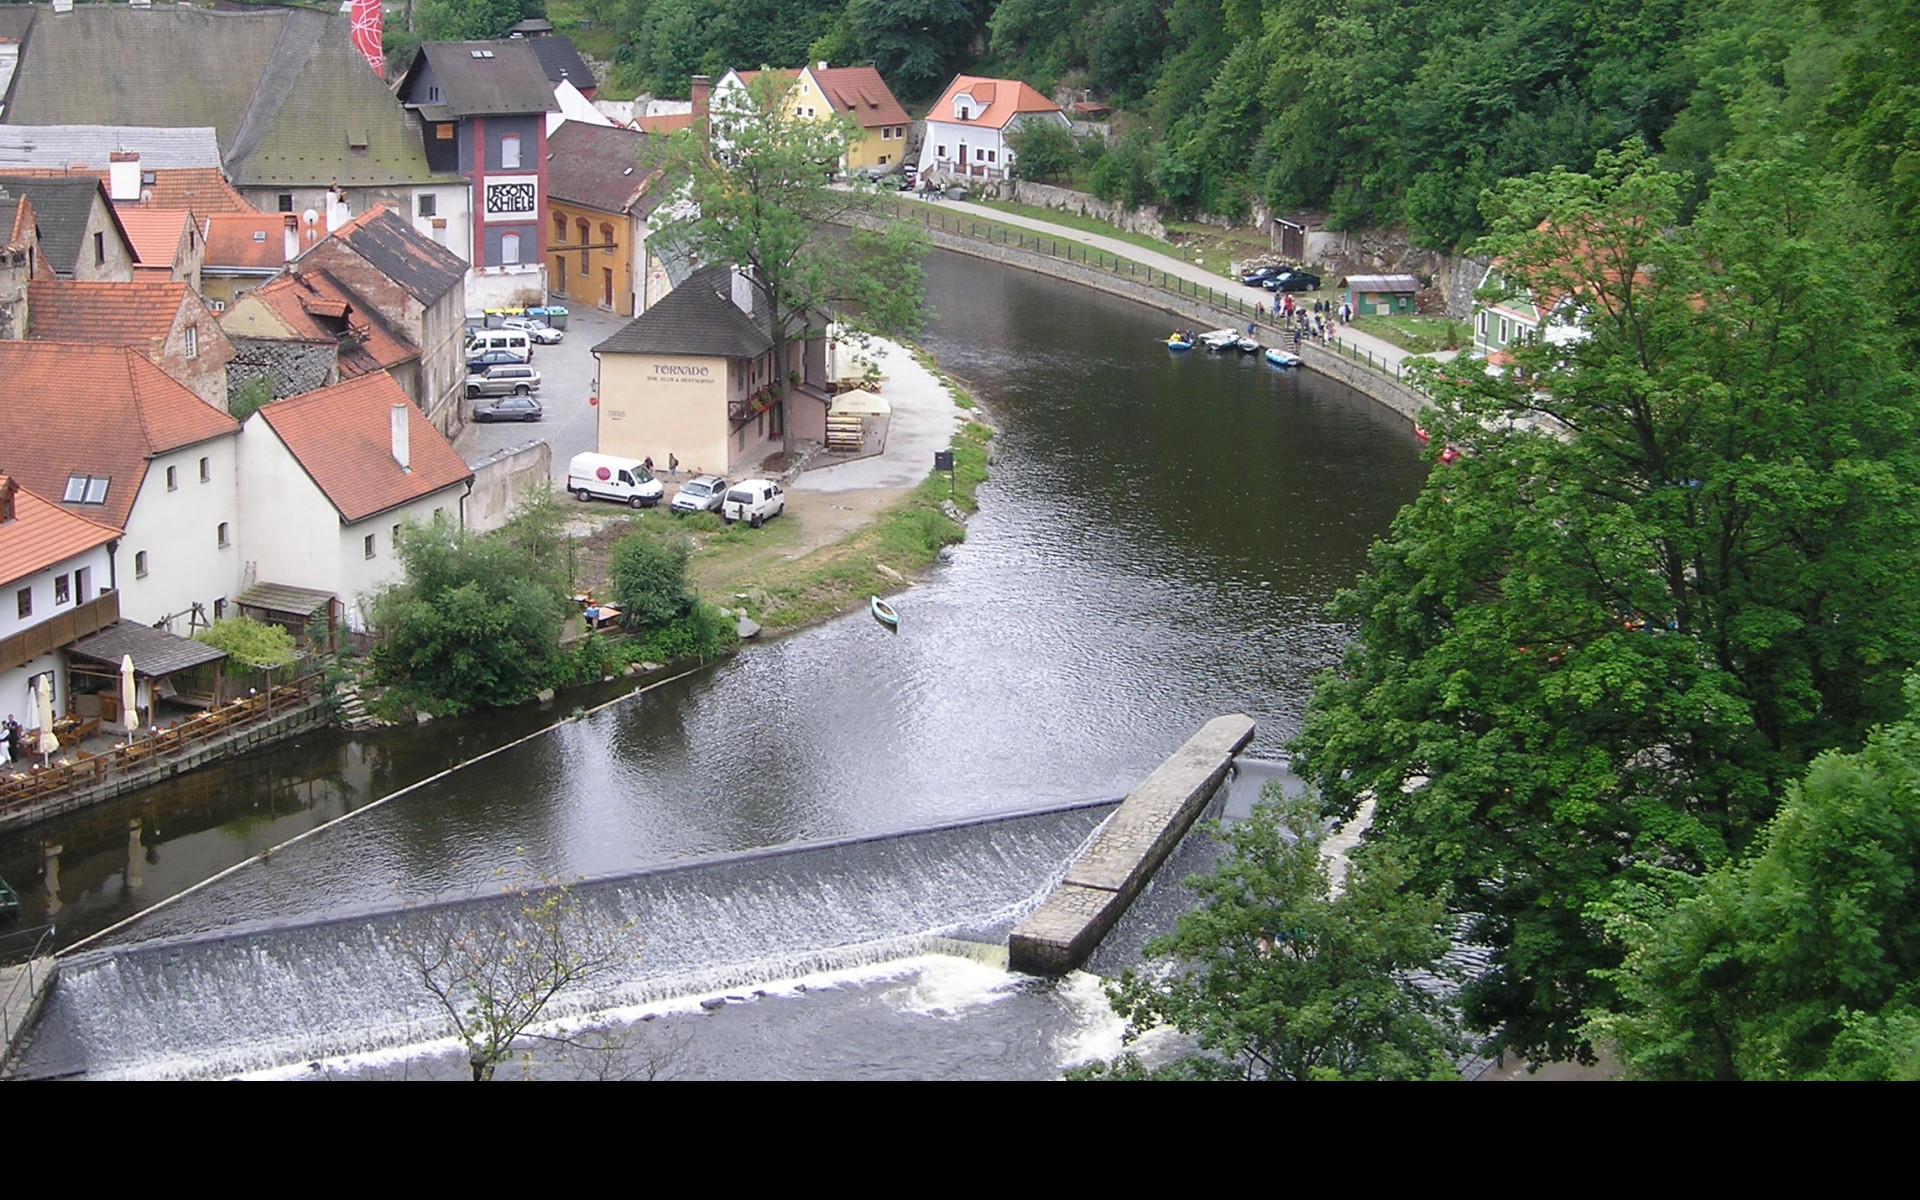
649 578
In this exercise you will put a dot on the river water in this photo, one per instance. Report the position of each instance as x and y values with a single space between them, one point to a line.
1156 547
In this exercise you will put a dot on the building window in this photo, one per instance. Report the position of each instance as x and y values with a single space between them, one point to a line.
510 249
559 227
990 155
585 238
368 546
396 537
85 489
510 152
1483 325
140 564
443 131
224 543
429 205
61 592
193 342
206 470
23 602
964 112
940 152
286 201
1503 331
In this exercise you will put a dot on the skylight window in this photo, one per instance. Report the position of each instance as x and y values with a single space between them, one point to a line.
86 489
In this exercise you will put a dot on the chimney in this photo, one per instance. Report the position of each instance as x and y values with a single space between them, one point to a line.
702 86
63 6
290 237
823 64
123 175
743 290
402 450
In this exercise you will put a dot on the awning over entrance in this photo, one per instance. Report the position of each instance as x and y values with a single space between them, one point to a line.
156 653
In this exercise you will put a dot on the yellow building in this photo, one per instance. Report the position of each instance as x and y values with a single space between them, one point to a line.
599 196
820 92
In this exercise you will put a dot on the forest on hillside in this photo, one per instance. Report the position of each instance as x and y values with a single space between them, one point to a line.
1374 111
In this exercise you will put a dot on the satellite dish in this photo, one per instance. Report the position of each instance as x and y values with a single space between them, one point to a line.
310 217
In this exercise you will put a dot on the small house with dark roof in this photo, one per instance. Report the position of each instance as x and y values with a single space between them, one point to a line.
328 480
1382 295
80 233
693 377
417 289
599 197
107 435
483 106
164 320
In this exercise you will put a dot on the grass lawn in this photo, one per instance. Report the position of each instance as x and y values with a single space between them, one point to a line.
1421 335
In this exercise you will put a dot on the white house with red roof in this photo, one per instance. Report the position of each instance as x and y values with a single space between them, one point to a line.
107 435
328 479
56 586
968 127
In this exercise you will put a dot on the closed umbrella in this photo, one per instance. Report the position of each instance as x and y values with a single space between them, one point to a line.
48 742
129 713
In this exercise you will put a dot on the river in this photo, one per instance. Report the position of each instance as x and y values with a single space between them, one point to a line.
1156 546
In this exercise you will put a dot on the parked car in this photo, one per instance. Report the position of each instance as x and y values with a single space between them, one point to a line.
702 493
535 329
478 361
624 480
1260 275
1293 281
509 408
754 501
513 341
506 380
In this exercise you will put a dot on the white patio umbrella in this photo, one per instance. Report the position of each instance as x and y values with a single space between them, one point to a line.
48 742
128 712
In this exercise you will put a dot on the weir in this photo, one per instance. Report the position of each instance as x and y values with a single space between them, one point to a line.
253 1000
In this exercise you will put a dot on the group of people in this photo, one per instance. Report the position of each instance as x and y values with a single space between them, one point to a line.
673 465
10 743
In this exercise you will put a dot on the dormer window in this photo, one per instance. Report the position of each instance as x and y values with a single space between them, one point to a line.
259 235
86 489
963 112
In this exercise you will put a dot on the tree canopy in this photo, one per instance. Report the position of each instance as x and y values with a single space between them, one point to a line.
1593 652
1279 978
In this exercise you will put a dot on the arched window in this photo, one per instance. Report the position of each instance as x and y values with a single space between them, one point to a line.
509 249
510 152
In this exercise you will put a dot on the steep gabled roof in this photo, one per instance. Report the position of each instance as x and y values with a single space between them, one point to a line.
423 267
95 410
156 233
699 319
202 191
105 312
288 97
42 534
342 437
1000 100
478 79
860 93
62 204
599 166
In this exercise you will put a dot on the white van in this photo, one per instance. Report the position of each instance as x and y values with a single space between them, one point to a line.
513 341
620 479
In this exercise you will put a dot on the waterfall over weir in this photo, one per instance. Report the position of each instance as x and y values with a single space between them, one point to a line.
253 1000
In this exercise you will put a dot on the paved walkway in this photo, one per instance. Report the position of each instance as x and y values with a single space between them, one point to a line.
1381 349
923 421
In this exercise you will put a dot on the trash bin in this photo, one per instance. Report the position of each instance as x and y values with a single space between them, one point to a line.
553 314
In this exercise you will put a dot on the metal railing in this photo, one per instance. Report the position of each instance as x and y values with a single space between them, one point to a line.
30 946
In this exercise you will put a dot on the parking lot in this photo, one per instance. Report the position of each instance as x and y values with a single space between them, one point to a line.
568 377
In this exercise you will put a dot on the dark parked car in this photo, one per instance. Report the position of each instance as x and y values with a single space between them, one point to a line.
509 408
1293 281
478 363
1260 275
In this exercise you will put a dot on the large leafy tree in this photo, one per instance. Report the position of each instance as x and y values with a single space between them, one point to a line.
760 196
1279 975
1803 961
1602 649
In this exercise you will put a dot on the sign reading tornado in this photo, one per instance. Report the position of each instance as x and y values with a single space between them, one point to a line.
366 34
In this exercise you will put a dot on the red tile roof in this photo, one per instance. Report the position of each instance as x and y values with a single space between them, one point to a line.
156 233
141 313
313 304
94 410
1000 100
342 436
232 241
202 190
665 124
860 93
42 534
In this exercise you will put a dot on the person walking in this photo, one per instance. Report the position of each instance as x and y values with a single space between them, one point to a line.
673 465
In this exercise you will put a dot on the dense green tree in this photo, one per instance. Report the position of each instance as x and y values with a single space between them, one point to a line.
1587 655
1043 151
916 44
250 643
1278 977
648 575
1803 961
476 621
471 20
763 200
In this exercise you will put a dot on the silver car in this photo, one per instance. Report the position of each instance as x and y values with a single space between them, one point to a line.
702 493
503 380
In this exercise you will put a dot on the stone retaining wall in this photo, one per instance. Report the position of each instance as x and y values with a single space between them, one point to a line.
240 741
1097 888
505 478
